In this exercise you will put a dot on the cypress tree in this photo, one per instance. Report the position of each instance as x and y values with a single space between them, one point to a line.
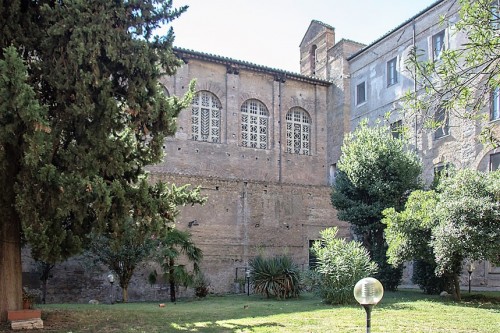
81 115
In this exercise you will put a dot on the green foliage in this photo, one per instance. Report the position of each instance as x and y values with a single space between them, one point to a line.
127 241
278 276
460 220
377 171
341 265
408 232
468 215
81 114
172 246
201 285
424 275
461 82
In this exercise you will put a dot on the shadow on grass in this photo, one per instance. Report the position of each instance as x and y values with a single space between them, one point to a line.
229 313
400 300
226 327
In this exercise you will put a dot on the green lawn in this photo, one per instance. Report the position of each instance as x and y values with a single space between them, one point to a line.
403 311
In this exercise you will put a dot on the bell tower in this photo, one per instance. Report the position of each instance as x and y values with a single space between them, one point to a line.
318 39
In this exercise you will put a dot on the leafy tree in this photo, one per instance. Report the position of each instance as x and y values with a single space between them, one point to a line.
424 275
44 268
121 254
458 221
462 81
81 114
278 276
377 171
127 242
340 266
174 244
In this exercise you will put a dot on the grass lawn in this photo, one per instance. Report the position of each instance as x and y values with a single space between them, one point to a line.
403 311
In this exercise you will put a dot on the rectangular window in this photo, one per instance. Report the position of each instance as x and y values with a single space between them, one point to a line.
333 173
438 45
397 129
441 170
495 104
441 118
494 162
392 74
361 93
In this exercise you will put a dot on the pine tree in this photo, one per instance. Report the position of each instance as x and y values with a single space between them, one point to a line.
81 115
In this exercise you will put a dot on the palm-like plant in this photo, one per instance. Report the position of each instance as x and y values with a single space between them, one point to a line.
175 244
278 276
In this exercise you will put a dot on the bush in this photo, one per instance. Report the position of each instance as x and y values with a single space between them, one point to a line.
340 265
201 285
390 276
278 276
425 277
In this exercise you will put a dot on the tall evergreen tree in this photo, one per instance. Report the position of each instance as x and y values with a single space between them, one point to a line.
81 114
377 171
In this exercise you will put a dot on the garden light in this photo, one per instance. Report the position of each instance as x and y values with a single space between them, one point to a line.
368 292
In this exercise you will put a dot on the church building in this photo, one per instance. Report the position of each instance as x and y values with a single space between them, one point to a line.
263 143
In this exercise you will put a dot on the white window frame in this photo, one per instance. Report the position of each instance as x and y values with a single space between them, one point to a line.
392 71
494 156
495 104
443 130
206 117
298 131
438 45
254 124
357 96
396 129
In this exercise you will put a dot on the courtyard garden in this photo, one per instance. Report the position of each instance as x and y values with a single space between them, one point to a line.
408 311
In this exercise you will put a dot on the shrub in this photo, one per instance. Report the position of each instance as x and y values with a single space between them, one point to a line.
425 277
340 265
201 285
278 276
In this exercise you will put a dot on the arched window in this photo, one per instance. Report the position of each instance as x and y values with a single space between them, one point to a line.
254 124
298 131
205 117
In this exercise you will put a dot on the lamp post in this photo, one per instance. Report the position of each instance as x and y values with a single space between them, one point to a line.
368 292
111 280
247 274
470 269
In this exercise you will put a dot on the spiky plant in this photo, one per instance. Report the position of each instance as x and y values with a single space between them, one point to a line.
278 276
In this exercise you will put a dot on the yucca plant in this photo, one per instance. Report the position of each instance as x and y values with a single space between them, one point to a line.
278 276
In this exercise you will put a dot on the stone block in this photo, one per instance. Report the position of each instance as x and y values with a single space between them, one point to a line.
28 324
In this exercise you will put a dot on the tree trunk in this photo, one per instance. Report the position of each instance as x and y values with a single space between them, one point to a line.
11 271
171 280
44 291
10 261
125 294
456 288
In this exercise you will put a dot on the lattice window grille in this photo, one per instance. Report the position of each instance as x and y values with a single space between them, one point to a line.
298 131
205 117
254 123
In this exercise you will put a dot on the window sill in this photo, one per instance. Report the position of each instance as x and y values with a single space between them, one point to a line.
441 137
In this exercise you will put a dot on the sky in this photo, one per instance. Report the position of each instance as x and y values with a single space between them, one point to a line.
268 32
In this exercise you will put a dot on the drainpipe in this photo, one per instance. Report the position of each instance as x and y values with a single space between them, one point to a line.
280 131
415 85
